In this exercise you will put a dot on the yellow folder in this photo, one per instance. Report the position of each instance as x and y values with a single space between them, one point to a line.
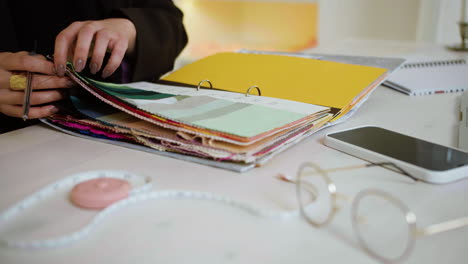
319 82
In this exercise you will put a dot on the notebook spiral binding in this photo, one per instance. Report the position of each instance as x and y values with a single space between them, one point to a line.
408 82
433 63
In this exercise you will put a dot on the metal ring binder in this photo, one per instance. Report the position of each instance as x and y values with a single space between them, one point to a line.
200 83
250 88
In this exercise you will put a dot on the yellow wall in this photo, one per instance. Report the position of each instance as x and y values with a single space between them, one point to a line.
215 26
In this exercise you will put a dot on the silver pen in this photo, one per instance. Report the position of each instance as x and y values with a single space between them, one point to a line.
27 91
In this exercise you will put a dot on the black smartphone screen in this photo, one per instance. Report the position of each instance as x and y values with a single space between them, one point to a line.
405 148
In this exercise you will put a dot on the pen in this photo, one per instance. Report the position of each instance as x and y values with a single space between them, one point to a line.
28 90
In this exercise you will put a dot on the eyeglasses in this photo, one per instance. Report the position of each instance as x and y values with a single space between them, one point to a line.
384 226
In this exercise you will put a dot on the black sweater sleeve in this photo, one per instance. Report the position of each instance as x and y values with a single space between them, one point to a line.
161 37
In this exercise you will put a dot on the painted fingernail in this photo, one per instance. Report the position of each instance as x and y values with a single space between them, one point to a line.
78 65
105 74
64 94
60 70
70 83
94 68
53 109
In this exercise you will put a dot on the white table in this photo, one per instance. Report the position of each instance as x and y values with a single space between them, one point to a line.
187 231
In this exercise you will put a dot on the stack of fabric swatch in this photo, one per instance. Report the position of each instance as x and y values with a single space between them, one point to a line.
220 126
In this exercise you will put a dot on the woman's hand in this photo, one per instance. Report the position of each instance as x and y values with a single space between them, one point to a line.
11 101
93 39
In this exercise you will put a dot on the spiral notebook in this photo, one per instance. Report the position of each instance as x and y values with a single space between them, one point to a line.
430 77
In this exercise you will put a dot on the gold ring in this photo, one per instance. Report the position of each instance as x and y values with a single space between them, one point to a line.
18 82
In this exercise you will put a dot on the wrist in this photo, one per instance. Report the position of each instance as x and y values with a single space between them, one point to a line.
130 31
126 30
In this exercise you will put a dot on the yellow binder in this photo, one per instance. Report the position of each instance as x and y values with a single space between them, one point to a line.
312 81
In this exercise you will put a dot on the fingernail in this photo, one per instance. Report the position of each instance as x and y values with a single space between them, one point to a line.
70 83
105 74
94 68
64 94
78 65
60 70
53 109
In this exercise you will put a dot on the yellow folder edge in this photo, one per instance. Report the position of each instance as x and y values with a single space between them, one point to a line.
312 81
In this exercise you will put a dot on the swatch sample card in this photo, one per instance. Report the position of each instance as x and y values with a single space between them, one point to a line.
223 126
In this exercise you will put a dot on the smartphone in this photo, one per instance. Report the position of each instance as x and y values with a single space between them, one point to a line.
423 160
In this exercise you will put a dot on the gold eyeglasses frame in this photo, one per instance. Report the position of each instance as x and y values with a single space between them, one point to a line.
410 218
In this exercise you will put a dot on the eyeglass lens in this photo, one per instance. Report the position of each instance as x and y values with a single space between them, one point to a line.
315 198
382 227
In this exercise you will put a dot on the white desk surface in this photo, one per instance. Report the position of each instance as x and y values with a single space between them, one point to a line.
185 231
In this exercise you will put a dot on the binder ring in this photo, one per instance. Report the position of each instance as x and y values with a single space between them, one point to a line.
251 87
200 83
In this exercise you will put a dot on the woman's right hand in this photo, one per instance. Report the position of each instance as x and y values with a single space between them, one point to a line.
46 85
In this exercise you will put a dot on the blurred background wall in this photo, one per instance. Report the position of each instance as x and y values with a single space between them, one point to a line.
295 25
407 20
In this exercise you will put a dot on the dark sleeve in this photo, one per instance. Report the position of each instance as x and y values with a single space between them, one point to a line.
161 37
8 42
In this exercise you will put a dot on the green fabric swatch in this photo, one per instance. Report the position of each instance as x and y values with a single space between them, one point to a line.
124 91
251 121
241 119
119 90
